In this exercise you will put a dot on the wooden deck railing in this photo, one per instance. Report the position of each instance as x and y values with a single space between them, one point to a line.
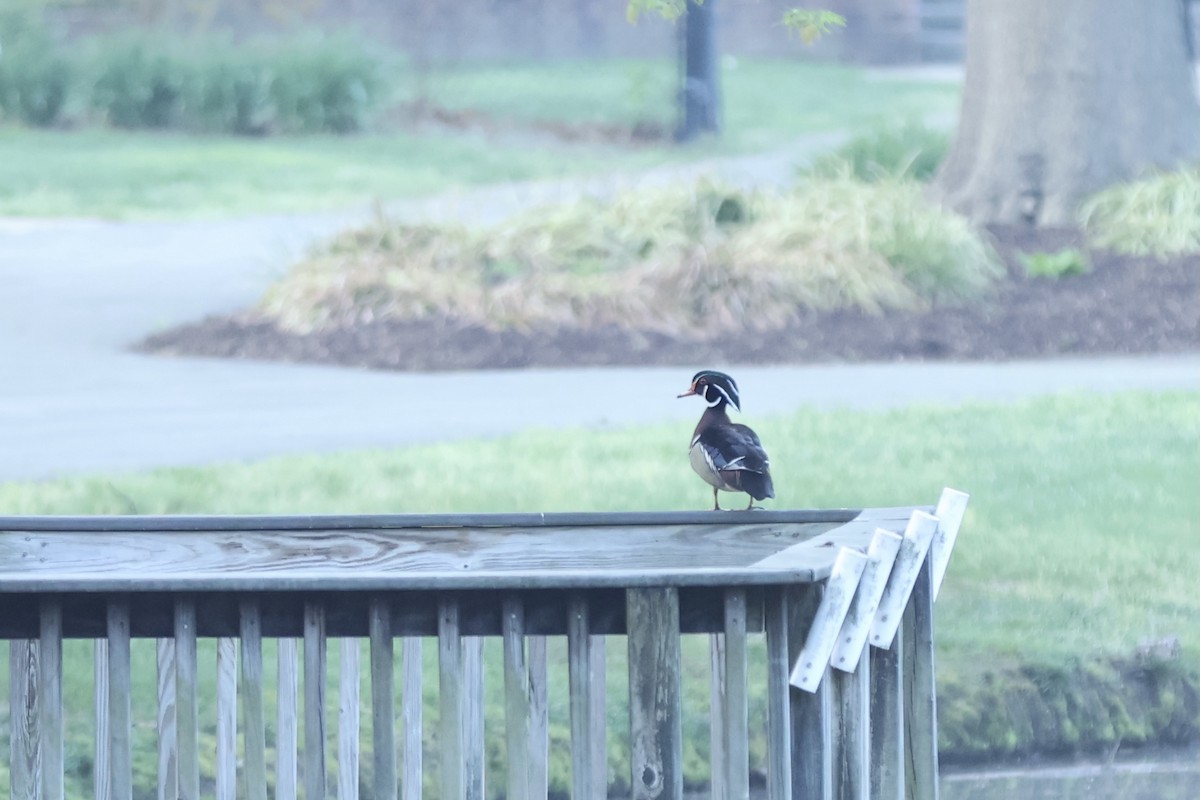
845 718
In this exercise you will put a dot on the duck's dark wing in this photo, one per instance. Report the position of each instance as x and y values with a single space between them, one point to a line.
737 454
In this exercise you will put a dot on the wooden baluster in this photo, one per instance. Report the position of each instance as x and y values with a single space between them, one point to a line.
473 751
655 710
450 686
411 711
348 720
187 731
168 747
119 694
287 735
516 697
737 729
779 724
383 699
50 714
315 672
254 730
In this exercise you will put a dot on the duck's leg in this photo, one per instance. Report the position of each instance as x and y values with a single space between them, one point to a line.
750 505
716 502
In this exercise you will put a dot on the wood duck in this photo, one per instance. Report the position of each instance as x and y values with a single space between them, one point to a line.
727 455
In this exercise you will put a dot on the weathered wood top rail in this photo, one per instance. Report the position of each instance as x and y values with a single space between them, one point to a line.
428 551
843 597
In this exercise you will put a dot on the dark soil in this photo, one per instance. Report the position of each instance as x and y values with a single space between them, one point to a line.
1125 305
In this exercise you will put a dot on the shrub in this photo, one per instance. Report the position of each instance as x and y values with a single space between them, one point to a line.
701 262
1157 216
326 84
909 149
35 77
139 82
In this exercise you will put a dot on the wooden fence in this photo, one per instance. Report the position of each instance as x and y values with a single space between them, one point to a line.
844 598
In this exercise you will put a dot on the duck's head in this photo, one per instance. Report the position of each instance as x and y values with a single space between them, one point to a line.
716 388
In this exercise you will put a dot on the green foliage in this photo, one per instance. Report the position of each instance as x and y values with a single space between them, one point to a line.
140 82
910 150
35 77
1158 216
702 261
1069 261
810 24
667 9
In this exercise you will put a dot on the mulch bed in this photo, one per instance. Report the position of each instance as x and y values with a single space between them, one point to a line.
1125 305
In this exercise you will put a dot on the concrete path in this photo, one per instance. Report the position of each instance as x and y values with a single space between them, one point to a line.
75 293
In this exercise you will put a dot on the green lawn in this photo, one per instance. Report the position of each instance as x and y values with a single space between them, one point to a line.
108 173
1079 540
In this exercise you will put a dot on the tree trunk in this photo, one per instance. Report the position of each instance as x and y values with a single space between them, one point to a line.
1062 99
700 95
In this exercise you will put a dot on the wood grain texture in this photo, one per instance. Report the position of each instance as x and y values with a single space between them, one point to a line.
411 712
812 764
951 508
539 717
779 722
920 692
852 731
579 680
887 720
26 776
881 555
655 712
737 698
383 700
430 558
813 660
101 777
918 535
450 691
717 761
120 755
474 759
598 715
348 719
50 702
254 721
168 750
287 734
516 696
315 677
187 731
227 703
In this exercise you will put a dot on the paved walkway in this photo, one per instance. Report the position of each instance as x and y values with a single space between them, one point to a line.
75 293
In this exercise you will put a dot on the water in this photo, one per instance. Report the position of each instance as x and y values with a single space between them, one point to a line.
1158 776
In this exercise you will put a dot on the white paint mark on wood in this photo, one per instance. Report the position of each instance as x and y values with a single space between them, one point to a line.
951 508
822 635
917 537
881 555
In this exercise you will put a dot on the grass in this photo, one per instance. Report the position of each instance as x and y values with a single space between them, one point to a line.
106 173
121 175
1078 541
701 261
1158 216
910 149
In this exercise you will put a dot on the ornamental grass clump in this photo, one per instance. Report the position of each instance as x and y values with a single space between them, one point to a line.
696 262
1158 216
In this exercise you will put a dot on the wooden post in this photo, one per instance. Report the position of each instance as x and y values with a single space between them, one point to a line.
737 705
286 726
348 719
187 729
474 761
779 718
50 716
852 732
539 717
227 703
314 701
383 699
411 713
168 751
450 684
119 721
516 696
887 720
254 724
25 779
812 741
655 710
920 693
579 676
